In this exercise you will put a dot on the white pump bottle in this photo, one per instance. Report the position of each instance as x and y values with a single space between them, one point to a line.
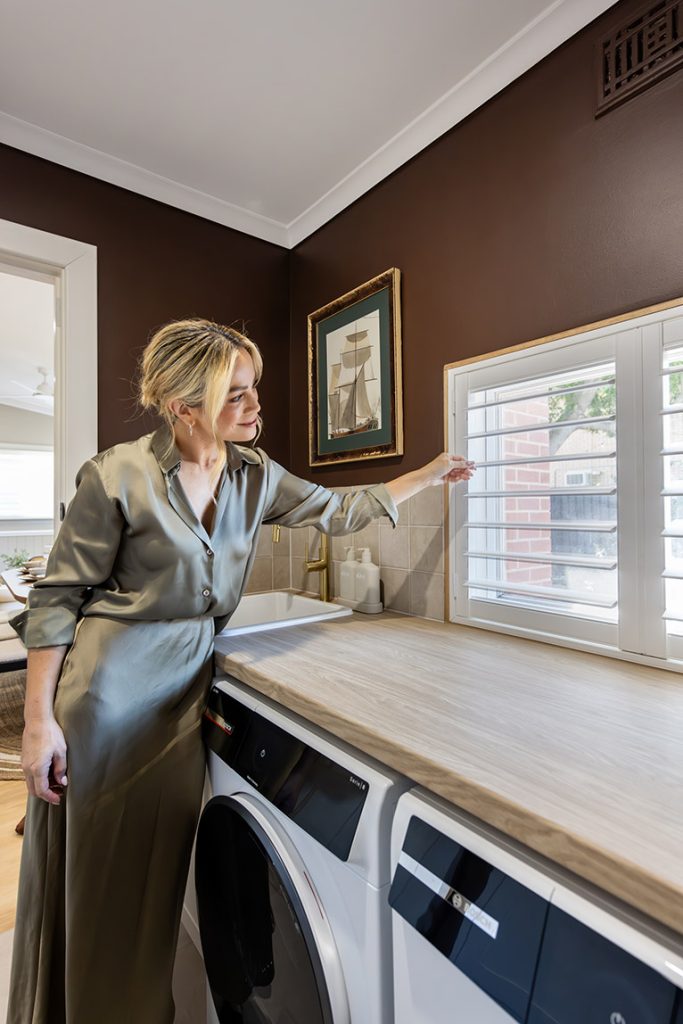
347 579
367 584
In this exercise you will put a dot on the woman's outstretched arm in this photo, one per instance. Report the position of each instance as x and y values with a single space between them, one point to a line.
445 468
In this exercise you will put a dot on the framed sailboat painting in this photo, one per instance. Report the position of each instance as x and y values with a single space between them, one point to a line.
355 398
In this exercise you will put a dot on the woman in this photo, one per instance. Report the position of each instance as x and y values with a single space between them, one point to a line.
148 565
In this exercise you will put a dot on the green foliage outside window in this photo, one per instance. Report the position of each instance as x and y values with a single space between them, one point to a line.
601 401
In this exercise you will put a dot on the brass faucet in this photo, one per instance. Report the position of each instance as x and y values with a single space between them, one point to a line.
321 565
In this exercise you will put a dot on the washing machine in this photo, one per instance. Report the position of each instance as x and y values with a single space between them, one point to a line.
292 869
486 932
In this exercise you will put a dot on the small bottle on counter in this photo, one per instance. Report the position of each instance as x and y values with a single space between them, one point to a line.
367 584
347 579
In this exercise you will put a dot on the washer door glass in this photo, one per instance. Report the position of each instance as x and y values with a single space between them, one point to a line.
260 952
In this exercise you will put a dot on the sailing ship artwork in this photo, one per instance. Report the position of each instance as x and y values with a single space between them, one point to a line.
354 397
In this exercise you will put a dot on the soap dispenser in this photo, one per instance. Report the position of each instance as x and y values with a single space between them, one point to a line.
367 584
347 579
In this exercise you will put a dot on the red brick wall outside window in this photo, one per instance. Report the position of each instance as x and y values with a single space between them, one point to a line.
536 476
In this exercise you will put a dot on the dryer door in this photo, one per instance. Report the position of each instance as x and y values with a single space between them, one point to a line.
268 947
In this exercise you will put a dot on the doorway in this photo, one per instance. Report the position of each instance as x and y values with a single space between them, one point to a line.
27 356
71 266
48 428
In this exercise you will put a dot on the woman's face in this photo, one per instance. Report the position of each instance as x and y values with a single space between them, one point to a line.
237 421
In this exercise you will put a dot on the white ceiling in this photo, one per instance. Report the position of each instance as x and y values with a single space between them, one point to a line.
264 115
27 339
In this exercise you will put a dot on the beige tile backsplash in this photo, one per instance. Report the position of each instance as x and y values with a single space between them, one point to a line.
282 572
261 574
394 546
410 557
426 508
426 549
396 589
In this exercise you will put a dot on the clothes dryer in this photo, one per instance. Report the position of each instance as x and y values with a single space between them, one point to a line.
292 869
486 932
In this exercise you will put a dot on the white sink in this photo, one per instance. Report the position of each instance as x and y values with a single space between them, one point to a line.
277 609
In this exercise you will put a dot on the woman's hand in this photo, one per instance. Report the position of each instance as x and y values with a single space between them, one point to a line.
43 759
447 468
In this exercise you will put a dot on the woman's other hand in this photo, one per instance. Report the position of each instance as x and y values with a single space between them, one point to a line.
43 759
447 468
43 748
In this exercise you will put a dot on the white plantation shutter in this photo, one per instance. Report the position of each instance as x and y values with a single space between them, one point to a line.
539 524
572 527
671 415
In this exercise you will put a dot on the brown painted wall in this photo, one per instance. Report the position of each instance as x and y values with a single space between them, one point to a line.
528 218
156 263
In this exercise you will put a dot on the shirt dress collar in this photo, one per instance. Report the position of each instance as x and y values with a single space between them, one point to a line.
168 456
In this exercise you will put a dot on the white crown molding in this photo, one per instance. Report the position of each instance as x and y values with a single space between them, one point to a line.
554 26
60 150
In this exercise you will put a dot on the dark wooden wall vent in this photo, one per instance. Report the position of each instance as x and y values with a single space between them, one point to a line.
639 52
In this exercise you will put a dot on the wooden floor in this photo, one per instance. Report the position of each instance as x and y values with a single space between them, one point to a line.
12 807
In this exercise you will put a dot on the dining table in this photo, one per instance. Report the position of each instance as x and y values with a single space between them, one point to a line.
12 650
16 584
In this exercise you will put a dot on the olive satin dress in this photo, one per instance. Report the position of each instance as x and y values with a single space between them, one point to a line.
137 589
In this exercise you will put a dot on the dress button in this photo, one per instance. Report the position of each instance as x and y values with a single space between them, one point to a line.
206 592
209 552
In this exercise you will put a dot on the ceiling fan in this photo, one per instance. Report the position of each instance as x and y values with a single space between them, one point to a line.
44 389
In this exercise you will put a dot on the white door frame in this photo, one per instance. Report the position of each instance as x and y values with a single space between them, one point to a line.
73 266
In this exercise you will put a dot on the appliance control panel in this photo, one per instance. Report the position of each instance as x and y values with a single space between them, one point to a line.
540 964
318 794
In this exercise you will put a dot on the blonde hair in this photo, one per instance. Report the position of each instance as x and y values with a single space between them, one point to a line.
194 360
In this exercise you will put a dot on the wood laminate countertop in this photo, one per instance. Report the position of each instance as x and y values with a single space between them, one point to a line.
578 756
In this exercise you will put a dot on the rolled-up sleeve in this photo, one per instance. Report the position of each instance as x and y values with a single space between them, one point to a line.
81 558
291 501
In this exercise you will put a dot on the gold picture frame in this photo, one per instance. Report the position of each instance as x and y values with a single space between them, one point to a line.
355 389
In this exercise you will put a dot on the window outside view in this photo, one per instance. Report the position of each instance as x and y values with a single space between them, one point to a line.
545 533
672 388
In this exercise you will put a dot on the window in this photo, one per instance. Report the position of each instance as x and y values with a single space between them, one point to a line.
26 482
572 528
580 479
